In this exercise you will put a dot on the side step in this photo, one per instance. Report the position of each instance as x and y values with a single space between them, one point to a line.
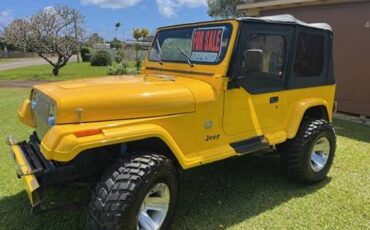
250 145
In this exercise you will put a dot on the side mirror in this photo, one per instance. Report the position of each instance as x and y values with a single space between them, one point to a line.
253 60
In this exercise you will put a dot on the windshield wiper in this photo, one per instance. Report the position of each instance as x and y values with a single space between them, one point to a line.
187 56
159 52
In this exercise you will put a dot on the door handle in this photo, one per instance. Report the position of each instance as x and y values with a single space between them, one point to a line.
274 99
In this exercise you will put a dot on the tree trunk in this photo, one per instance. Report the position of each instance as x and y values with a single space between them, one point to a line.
56 71
78 56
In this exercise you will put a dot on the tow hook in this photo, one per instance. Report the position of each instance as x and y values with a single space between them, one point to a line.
20 174
10 140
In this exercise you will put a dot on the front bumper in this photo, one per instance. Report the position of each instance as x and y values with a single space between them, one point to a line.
26 169
34 169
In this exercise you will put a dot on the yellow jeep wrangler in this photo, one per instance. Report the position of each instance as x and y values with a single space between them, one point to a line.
206 92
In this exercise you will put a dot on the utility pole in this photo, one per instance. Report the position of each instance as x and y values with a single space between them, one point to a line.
123 44
76 36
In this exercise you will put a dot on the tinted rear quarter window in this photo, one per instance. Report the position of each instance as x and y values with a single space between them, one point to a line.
309 58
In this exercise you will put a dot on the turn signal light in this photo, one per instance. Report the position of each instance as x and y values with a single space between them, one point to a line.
89 132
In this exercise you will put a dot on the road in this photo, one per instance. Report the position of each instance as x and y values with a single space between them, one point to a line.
22 62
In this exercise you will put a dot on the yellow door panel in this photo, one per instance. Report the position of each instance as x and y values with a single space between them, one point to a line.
269 109
237 112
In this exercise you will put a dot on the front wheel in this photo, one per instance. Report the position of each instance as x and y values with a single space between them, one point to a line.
139 193
308 157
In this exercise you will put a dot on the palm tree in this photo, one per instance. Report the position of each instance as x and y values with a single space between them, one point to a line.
144 33
117 26
136 33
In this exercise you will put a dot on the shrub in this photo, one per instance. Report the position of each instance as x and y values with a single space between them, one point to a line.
118 58
85 54
101 58
118 68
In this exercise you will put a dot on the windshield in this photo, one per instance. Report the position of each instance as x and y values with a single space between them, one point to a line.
200 44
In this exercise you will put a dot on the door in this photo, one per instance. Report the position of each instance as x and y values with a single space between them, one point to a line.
254 101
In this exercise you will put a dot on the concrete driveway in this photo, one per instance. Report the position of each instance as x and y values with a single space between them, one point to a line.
22 62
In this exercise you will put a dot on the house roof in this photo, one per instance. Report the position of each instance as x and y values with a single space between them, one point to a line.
253 8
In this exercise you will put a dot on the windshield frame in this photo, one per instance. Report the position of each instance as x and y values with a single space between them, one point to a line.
193 26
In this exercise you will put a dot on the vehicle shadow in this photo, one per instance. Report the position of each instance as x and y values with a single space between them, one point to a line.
213 196
226 193
15 211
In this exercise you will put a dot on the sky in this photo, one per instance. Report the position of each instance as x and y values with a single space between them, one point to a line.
101 15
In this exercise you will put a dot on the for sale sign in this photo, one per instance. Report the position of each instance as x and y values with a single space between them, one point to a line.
206 44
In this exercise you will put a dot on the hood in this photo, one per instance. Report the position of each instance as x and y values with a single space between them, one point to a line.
118 97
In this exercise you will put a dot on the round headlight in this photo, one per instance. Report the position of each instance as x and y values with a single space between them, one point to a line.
33 99
52 114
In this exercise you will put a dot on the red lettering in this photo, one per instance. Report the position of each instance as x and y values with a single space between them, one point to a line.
200 40
197 40
194 41
207 40
218 38
212 43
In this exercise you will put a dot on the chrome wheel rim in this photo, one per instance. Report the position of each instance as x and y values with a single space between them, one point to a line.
154 208
320 154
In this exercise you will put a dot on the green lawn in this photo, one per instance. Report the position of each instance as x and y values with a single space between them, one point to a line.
240 193
72 70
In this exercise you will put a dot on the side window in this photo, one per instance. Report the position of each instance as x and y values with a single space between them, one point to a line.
309 57
269 53
260 61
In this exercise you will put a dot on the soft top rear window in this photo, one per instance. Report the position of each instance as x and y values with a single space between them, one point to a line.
201 44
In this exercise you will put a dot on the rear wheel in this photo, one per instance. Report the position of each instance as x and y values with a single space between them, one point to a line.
139 193
308 157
